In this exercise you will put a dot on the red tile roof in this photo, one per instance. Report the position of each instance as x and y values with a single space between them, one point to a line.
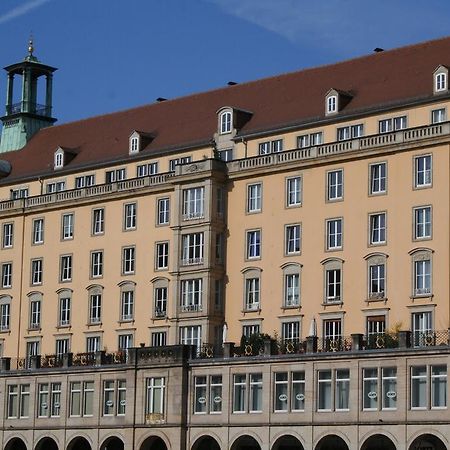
384 78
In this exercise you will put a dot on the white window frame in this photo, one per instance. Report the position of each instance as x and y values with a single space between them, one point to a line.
254 198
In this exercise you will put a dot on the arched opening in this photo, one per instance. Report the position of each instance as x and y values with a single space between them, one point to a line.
79 443
378 442
46 443
331 442
427 442
153 443
16 444
206 443
287 442
245 443
113 443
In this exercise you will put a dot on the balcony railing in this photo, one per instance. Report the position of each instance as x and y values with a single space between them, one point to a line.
160 312
30 107
192 261
191 308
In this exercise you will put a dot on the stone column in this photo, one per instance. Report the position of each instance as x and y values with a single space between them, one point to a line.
9 93
311 344
48 95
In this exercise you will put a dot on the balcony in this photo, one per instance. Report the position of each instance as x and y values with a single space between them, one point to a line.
193 216
33 108
192 261
191 308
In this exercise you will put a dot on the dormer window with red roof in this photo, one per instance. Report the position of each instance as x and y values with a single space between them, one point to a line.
63 156
332 104
226 119
59 160
336 100
134 145
440 80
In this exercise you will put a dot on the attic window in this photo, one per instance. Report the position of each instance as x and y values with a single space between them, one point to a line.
134 144
225 122
332 104
59 160
441 82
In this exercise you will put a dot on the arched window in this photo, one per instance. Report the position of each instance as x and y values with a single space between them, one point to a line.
225 122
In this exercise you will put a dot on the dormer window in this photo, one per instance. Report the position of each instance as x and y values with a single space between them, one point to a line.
225 122
332 104
440 80
59 159
63 156
134 144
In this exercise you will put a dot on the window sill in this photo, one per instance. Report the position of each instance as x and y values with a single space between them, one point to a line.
94 324
34 329
339 303
422 297
256 310
376 299
291 307
64 327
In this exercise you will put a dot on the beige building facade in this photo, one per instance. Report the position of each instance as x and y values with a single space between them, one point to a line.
264 266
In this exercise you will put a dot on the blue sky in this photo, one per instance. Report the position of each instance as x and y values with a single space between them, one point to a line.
117 54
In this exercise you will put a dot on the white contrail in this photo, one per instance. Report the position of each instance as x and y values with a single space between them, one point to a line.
21 10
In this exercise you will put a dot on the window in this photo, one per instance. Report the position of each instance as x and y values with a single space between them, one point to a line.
254 198
440 82
65 268
226 155
422 277
376 281
334 234
332 104
159 339
92 344
59 160
97 264
392 124
129 216
377 178
95 308
291 287
178 162
112 176
56 186
127 305
253 244
377 223
422 328
333 285
62 347
225 122
6 275
219 248
193 203
114 397
310 140
84 181
162 255
81 398
98 221
5 313
438 115
134 145
160 301
292 239
251 384
128 260
125 341
335 185
379 383
270 147
350 132
7 237
191 335
191 295
332 330
35 314
375 325
36 271
429 387
289 391
293 191
18 401
19 193
422 222
163 211
67 226
208 394
290 331
64 310
252 294
38 231
192 248
333 380
155 398
49 399
423 171
250 330
144 170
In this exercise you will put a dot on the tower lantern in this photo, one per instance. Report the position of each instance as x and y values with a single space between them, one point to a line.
25 117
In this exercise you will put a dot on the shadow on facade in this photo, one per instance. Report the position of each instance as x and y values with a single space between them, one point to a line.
245 443
206 443
378 441
113 443
153 443
427 442
16 444
79 443
332 442
46 444
287 442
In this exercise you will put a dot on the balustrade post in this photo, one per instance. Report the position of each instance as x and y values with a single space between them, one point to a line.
228 349
311 344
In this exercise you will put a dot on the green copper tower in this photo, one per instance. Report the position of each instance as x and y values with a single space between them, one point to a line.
26 117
